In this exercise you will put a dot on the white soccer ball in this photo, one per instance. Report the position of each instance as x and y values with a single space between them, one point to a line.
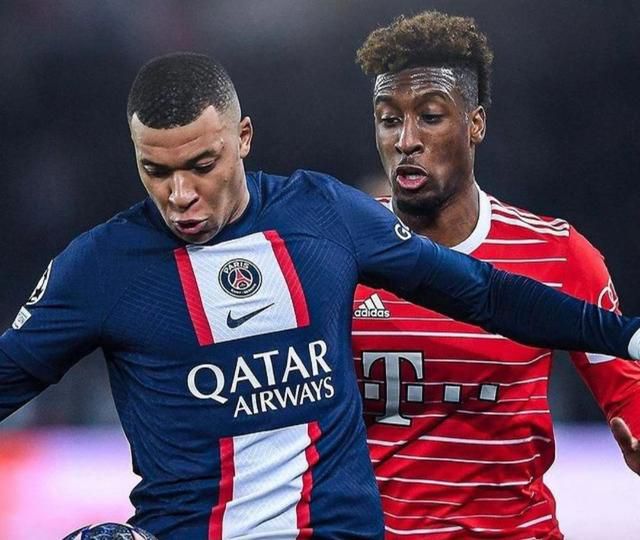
110 531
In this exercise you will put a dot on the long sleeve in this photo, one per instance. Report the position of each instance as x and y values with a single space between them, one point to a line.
615 383
391 257
17 387
61 321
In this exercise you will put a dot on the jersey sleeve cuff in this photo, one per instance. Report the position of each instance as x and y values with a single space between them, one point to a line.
634 345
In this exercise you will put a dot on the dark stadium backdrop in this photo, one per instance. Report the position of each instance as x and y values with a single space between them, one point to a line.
563 132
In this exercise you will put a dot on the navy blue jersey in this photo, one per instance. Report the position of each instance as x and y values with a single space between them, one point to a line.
230 363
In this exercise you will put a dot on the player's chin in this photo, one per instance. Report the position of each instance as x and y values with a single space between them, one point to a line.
422 202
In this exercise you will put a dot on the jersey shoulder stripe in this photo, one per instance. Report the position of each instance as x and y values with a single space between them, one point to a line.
512 215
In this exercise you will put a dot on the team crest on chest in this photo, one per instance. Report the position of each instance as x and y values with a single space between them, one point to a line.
240 278
229 287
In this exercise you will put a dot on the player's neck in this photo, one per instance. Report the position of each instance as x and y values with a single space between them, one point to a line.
452 223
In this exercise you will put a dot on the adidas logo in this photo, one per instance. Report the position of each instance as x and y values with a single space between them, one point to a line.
372 308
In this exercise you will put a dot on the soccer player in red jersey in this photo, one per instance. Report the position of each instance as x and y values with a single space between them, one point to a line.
459 427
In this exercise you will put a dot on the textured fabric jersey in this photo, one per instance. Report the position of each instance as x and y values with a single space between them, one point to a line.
459 427
230 363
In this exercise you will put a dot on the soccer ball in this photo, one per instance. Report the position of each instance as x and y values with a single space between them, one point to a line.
109 531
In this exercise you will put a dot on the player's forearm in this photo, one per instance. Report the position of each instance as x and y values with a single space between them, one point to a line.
532 313
17 387
523 309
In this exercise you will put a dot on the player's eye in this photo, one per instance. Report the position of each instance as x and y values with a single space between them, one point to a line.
430 118
389 121
203 168
156 172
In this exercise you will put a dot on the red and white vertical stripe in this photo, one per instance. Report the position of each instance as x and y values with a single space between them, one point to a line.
278 463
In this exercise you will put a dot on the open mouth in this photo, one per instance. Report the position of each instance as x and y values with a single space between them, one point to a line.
411 177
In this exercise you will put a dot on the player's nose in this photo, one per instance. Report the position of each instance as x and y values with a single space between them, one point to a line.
183 191
409 140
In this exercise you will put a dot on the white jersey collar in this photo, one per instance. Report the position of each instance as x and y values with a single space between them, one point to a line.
481 230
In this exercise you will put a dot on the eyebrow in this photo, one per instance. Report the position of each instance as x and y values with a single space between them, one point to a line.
189 164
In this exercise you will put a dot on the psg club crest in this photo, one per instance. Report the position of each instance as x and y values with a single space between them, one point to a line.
240 278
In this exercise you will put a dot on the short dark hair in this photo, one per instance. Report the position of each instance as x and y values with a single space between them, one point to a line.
432 38
174 89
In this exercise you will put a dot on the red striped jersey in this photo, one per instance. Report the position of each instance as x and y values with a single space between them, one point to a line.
459 428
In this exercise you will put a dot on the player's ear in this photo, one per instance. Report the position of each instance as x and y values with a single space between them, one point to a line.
477 124
246 134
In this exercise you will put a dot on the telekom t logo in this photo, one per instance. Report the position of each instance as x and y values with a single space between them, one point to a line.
392 362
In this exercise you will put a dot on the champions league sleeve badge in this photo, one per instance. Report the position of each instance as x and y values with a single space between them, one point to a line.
41 287
24 314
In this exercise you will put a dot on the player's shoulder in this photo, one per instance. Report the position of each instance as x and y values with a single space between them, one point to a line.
580 246
520 216
523 223
305 187
134 217
300 179
520 222
87 244
122 238
141 224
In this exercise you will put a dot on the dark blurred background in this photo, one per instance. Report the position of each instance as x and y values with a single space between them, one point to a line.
563 131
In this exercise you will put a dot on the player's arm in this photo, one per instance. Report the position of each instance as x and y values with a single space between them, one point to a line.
390 257
614 383
58 325
17 386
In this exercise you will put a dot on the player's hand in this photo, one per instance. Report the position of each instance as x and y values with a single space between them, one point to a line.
629 445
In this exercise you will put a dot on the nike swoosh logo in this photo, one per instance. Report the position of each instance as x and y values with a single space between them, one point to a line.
234 323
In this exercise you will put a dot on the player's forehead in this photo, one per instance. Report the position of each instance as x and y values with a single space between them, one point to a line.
208 132
416 82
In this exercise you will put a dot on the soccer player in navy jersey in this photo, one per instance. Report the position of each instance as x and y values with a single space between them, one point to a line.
223 302
459 427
